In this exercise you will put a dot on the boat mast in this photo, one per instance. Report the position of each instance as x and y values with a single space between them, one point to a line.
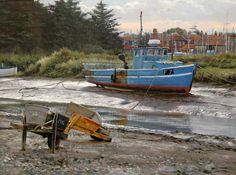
141 28
226 33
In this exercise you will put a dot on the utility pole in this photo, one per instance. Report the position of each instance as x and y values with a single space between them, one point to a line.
234 41
141 28
202 48
172 47
188 43
226 33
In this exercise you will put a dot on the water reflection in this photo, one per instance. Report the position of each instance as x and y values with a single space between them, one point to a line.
148 120
213 126
171 123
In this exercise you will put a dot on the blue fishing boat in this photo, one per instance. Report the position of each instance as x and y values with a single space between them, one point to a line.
151 69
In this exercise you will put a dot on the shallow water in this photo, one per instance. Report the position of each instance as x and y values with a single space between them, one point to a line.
207 110
152 122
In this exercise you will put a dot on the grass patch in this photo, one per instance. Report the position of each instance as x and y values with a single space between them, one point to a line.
222 61
21 61
216 74
67 63
213 68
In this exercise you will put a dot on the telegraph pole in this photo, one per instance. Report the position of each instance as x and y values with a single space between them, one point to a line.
226 33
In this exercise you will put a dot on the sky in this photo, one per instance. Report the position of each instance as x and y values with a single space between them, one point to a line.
207 15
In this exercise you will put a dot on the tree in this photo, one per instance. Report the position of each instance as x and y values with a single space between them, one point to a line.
27 25
178 30
65 25
20 25
104 31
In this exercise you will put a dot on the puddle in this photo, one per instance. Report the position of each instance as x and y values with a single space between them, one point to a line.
166 122
207 110
148 121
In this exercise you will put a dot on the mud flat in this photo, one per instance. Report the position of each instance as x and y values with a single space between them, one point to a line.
129 153
132 151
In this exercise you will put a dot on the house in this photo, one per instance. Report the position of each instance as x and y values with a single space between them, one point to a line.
189 43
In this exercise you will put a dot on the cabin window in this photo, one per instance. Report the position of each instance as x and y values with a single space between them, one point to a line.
142 52
165 52
153 66
155 52
136 53
168 71
150 52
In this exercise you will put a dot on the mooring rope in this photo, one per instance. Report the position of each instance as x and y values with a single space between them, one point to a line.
21 91
225 80
146 93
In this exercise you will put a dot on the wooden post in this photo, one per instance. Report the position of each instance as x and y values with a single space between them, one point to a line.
24 133
54 133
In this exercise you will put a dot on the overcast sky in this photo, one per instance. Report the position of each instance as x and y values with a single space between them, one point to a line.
207 15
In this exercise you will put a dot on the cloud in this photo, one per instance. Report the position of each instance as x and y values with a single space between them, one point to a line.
164 14
46 2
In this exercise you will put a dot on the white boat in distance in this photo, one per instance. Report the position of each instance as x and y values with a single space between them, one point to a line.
6 71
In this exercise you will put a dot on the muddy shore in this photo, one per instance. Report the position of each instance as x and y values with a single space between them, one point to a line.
130 152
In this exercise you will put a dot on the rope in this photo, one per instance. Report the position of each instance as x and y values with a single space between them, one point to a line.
39 87
225 80
61 82
146 93
21 91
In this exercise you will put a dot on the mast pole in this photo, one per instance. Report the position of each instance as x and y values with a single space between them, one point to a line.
141 28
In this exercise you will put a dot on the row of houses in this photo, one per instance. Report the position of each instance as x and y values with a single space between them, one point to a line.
190 43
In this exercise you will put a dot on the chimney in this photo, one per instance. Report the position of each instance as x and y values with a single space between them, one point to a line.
154 34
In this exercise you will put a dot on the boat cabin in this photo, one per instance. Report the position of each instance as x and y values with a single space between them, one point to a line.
150 57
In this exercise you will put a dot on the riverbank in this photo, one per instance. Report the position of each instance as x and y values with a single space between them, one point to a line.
67 63
152 133
220 69
128 153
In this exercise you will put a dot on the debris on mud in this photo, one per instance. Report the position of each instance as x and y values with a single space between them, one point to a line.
128 153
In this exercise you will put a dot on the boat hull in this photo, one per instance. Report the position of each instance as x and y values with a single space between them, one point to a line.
180 83
142 72
8 71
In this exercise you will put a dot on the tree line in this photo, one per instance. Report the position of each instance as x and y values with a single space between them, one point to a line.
28 26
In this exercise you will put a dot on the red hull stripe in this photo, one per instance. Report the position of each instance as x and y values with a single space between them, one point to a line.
185 90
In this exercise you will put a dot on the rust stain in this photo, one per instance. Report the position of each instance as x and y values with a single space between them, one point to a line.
91 74
121 76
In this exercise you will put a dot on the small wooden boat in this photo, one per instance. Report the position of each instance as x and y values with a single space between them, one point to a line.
151 70
6 71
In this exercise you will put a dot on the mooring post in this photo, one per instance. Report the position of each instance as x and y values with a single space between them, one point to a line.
54 133
24 134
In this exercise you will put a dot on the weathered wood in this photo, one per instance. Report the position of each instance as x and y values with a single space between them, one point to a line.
54 133
24 133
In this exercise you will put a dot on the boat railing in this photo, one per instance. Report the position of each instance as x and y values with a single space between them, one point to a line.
152 52
89 66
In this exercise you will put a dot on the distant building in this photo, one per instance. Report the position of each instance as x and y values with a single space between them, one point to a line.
129 41
191 43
